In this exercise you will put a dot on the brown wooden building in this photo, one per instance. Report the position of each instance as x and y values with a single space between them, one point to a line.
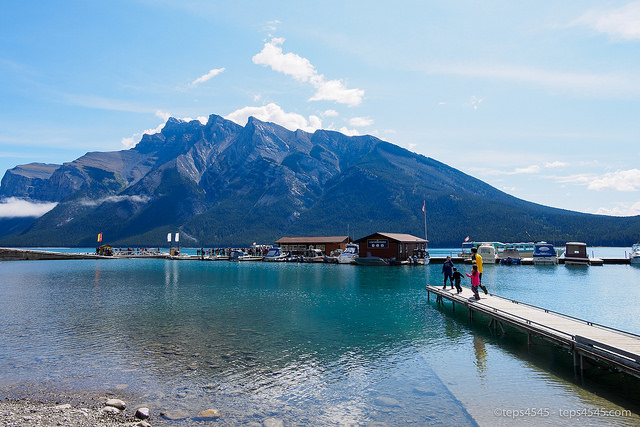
390 245
325 243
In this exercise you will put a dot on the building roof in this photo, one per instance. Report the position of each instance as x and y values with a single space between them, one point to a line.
399 237
312 240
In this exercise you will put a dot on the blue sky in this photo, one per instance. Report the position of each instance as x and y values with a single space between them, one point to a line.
540 99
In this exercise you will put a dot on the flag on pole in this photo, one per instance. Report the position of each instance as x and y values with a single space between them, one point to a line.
177 239
169 237
466 239
423 205
99 237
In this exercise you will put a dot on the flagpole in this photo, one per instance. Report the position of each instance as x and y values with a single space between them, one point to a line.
424 211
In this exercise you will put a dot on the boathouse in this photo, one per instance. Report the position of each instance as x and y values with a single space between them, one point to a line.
325 243
390 245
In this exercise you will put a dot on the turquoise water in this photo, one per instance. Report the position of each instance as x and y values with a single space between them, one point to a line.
306 343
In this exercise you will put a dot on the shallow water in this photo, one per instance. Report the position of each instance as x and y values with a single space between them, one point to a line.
306 343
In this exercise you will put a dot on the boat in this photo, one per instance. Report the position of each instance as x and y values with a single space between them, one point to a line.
634 256
488 253
510 255
576 254
275 254
350 253
420 257
525 249
466 254
236 254
544 254
313 255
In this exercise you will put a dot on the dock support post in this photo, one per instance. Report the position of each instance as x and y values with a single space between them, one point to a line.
470 316
529 340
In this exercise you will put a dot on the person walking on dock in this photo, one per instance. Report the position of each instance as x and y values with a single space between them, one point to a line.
447 270
477 259
457 277
475 281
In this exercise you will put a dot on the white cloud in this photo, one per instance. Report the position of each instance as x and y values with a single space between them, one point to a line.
330 113
274 113
622 22
622 180
349 132
302 70
360 121
14 207
516 171
212 73
555 164
623 209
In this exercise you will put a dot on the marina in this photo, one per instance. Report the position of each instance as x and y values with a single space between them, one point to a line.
319 344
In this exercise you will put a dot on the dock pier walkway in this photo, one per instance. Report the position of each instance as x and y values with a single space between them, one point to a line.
603 345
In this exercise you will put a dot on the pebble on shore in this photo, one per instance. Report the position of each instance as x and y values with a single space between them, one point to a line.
21 412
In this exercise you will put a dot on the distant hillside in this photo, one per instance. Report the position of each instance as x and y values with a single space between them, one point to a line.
225 184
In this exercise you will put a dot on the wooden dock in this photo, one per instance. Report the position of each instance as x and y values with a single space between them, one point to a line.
603 345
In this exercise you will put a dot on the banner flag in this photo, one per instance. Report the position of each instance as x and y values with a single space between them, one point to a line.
423 205
169 237
177 238
466 239
99 237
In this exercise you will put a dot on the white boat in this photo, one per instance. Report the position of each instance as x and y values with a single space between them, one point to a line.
509 256
350 253
544 254
420 257
313 255
275 254
576 254
488 254
634 256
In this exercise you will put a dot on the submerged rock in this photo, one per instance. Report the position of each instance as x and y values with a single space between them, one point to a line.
210 413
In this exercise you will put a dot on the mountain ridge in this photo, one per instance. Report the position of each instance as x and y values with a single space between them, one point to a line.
222 184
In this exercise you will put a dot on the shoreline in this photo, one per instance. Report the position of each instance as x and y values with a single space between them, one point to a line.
37 406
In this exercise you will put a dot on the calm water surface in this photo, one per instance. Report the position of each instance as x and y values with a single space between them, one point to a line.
307 344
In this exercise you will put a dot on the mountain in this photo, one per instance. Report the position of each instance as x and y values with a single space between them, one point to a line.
222 184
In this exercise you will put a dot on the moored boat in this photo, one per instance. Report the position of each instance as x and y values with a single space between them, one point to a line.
349 255
576 254
510 255
313 255
544 254
634 256
372 261
275 254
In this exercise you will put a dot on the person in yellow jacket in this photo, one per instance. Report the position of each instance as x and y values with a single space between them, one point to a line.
477 260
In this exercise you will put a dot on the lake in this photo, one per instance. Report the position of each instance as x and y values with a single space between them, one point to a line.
310 344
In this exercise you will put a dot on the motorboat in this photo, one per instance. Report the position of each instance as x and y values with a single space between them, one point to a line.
634 256
313 255
488 254
275 254
420 257
544 254
576 254
350 253
509 256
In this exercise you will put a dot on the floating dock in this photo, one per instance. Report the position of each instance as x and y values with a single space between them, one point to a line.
603 345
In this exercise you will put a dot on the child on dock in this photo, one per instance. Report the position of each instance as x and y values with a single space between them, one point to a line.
457 277
475 281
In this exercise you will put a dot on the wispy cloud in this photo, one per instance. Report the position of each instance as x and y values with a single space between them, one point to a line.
14 207
212 73
622 180
586 84
622 209
360 121
114 199
621 23
556 164
302 70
